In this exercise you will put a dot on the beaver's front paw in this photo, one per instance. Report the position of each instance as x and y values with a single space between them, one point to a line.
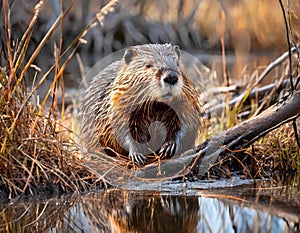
137 158
167 150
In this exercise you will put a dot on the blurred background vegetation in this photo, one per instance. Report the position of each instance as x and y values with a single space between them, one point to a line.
253 31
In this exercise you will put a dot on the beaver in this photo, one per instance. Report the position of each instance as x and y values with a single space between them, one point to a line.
142 106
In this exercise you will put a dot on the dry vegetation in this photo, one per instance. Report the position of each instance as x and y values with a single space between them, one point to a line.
37 158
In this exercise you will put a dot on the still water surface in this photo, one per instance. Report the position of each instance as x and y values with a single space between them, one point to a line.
232 206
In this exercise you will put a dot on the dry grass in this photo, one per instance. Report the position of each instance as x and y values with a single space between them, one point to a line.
278 151
36 157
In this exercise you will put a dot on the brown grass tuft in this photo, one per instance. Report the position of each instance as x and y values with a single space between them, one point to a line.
36 156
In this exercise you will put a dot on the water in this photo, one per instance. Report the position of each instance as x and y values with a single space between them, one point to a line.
205 206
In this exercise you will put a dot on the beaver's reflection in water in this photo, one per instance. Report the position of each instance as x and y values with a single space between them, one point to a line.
121 211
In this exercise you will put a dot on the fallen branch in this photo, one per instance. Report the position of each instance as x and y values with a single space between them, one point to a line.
244 134
255 93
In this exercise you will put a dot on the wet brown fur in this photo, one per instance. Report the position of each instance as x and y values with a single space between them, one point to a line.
125 98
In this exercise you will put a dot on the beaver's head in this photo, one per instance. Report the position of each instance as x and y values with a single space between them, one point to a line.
151 71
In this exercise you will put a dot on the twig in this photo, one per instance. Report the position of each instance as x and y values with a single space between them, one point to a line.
108 8
289 33
289 44
296 133
255 92
289 26
40 46
272 65
270 95
23 44
8 40
58 75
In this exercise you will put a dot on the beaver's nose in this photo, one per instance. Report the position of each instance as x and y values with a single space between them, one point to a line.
171 78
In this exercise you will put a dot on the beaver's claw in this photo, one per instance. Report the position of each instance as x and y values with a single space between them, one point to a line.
167 150
137 158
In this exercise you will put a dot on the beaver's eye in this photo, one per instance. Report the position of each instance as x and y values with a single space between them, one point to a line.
148 65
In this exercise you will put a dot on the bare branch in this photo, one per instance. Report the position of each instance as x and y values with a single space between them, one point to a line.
289 44
244 134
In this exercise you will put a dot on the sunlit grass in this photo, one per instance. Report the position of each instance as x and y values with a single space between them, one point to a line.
279 150
37 156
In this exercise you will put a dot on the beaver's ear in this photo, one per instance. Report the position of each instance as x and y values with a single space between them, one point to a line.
176 50
129 54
